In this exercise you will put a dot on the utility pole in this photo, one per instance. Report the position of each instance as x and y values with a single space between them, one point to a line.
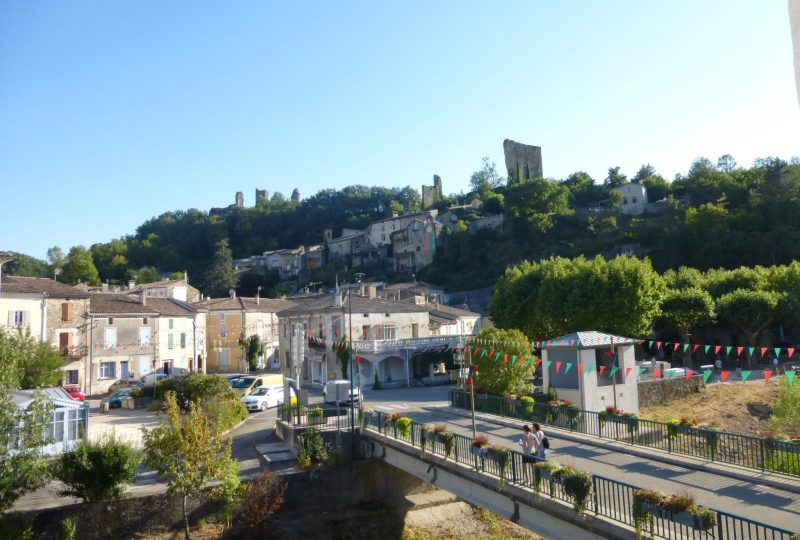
358 276
613 374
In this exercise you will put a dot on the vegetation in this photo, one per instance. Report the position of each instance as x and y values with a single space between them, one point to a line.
264 496
212 393
786 410
97 470
187 451
509 372
26 363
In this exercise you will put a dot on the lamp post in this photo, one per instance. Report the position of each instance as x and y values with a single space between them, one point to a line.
358 276
459 356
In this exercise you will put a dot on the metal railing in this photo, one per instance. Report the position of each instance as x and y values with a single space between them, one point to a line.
760 453
324 419
608 498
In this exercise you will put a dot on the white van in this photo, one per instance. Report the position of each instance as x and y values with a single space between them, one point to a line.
338 391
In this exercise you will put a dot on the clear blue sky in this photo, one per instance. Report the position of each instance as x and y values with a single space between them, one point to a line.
114 112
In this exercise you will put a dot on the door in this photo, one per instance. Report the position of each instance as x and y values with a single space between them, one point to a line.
167 366
123 371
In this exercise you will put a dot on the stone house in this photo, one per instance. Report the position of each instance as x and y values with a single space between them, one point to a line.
321 322
349 242
414 246
228 320
179 289
284 261
22 307
379 233
634 198
452 321
123 337
181 334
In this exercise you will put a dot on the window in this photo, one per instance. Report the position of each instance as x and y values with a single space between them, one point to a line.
171 323
624 200
365 332
221 317
110 338
110 320
634 200
144 321
72 376
385 331
170 341
123 370
224 358
144 337
223 330
108 370
415 330
65 342
366 314
17 318
66 311
183 340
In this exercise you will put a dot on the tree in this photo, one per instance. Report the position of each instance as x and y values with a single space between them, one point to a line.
187 451
55 257
26 363
685 309
22 435
254 348
726 163
97 470
78 266
748 311
505 374
264 497
486 178
786 410
220 277
343 355
615 178
146 274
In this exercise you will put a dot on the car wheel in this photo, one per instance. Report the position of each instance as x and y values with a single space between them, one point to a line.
264 406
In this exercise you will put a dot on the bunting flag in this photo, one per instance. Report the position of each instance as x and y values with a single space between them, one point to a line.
790 350
763 351
505 358
547 365
656 373
728 350
707 347
649 344
694 347
658 344
790 376
671 375
675 347
483 353
767 375
529 361
591 369
513 359
685 347
717 348
580 368
745 375
706 375
777 351
751 350
602 369
725 375
358 360
739 351
538 361
491 352
558 367
689 374
614 370
569 365
627 372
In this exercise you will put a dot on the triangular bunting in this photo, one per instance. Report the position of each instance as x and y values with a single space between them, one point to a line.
547 365
602 369
513 359
739 351
777 351
671 375
685 347
569 365
656 373
614 370
649 344
763 351
790 351
707 347
728 350
689 374
790 376
675 347
658 344
767 375
725 375
558 367
717 348
580 368
745 375
706 375
751 350
627 371
505 358
694 347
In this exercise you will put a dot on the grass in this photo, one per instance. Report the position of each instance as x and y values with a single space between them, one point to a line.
723 406
495 528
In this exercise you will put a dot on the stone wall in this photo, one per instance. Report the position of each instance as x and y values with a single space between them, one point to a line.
663 391
523 161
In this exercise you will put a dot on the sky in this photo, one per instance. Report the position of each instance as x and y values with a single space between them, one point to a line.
114 112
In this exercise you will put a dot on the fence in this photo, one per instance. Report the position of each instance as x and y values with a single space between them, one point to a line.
608 498
322 419
760 453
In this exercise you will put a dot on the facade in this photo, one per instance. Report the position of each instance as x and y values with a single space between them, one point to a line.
634 198
351 241
284 261
179 289
431 194
69 419
451 321
379 233
414 246
181 335
228 320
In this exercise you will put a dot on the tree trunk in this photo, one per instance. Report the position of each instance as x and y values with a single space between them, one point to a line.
185 519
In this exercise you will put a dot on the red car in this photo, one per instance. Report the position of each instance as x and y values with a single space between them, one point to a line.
75 393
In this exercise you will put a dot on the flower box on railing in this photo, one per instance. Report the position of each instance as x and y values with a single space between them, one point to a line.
651 508
479 451
316 420
685 518
429 435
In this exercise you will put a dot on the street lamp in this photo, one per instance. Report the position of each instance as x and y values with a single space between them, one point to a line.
459 357
358 276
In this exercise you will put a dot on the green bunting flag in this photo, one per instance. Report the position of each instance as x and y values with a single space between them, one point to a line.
706 375
569 365
591 368
614 370
707 347
649 344
671 374
790 377
745 375
642 371
513 359
685 347
777 351
496 356
751 350
483 353
547 364
728 350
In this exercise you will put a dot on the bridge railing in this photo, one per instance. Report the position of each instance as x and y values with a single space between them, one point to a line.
609 498
323 419
761 453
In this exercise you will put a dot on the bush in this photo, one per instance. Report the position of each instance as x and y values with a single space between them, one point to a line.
403 426
136 392
68 529
225 412
263 498
97 470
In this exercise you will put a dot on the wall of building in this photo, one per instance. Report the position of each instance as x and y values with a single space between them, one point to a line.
128 352
634 198
223 335
31 307
77 329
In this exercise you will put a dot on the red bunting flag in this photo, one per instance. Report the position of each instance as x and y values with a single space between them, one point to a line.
790 350
675 347
717 348
558 367
694 349
763 351
580 368
725 375
628 372
739 351
538 361
767 375
689 373
505 358
656 373
358 360
658 344
602 369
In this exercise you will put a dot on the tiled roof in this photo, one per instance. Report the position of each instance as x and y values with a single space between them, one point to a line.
450 312
118 304
239 303
586 340
170 306
34 285
361 304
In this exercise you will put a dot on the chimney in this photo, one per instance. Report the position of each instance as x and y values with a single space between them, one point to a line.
131 283
372 291
105 286
232 292
143 297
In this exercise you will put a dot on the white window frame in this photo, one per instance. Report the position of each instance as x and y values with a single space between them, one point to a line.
106 368
107 343
144 336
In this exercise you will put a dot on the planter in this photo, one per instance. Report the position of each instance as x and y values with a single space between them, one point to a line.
316 420
480 451
651 508
685 518
429 435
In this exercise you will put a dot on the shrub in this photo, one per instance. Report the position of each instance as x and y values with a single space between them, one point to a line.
136 392
577 485
224 413
229 491
263 498
403 425
97 470
681 502
316 412
543 466
527 404
480 440
314 446
68 529
785 462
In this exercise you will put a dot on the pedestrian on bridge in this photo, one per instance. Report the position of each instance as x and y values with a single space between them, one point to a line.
528 443
542 444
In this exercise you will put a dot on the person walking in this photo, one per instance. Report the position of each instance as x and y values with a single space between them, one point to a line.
529 445
542 444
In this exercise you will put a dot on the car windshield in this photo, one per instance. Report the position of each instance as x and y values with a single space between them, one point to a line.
123 392
260 392
243 382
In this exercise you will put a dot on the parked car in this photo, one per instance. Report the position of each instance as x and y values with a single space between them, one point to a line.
157 375
342 386
115 400
245 385
75 393
264 397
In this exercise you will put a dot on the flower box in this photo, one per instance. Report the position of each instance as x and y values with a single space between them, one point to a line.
685 518
316 420
429 435
651 508
480 451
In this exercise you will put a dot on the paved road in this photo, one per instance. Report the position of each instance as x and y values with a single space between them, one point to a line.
757 502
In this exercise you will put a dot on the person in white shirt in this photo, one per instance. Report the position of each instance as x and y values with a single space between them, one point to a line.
539 435
529 444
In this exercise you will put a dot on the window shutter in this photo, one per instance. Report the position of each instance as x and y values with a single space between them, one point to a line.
11 319
66 311
26 321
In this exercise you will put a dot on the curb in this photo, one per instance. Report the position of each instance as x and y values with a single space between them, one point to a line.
731 471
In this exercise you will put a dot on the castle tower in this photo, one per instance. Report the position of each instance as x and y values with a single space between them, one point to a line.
239 199
523 161
431 194
296 195
261 195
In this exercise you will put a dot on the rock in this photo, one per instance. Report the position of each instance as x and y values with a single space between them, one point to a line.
761 410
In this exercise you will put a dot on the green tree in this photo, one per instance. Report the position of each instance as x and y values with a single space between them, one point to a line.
486 178
27 363
188 451
615 178
343 355
22 434
254 348
748 311
683 310
55 257
78 266
97 470
786 410
504 375
220 277
146 274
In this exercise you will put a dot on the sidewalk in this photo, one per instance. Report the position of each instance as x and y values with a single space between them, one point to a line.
744 494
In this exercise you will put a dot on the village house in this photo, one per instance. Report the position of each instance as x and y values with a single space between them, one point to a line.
414 246
181 335
634 198
179 289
